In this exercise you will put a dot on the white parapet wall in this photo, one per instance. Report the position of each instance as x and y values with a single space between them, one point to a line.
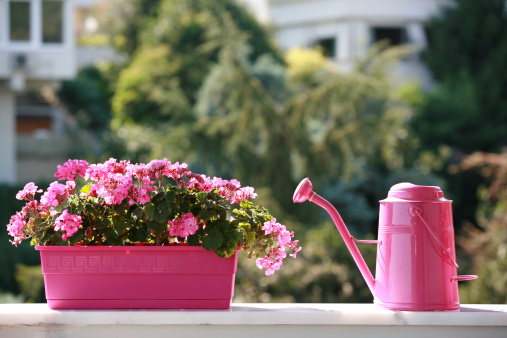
255 320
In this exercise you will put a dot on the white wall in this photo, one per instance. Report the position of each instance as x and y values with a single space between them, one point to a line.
296 12
302 22
7 136
45 61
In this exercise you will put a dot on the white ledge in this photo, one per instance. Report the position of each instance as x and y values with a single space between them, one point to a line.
252 320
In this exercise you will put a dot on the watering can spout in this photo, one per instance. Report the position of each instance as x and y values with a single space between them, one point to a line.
305 192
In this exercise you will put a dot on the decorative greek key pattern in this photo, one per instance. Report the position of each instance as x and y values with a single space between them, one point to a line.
130 262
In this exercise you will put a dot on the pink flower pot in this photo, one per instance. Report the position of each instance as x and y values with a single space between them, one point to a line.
133 277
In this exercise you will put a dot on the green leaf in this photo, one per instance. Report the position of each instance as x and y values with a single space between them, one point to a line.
90 210
213 241
76 237
250 237
86 188
193 240
230 248
205 215
156 227
139 234
151 225
149 211
102 224
170 195
236 236
136 214
121 227
245 226
158 197
56 239
162 212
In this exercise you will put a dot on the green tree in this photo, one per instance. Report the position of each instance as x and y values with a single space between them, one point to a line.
125 20
174 55
87 97
467 111
487 249
272 125
467 55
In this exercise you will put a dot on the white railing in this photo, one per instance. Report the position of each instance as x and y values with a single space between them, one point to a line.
254 320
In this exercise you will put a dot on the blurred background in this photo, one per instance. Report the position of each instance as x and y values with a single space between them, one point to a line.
358 95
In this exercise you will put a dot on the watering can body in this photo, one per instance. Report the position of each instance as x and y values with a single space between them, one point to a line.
416 267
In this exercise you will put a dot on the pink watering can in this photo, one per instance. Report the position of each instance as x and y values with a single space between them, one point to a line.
416 266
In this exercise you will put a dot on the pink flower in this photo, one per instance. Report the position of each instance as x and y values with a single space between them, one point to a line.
55 194
70 169
17 226
296 250
201 183
142 173
176 170
32 207
115 188
283 238
68 223
93 190
157 168
268 226
143 194
243 194
272 261
101 171
183 226
28 192
190 223
71 185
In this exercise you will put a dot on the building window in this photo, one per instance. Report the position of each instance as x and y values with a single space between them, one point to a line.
19 21
52 21
395 35
327 46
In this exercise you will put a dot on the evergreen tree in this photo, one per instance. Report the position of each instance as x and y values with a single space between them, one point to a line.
467 55
467 111
174 55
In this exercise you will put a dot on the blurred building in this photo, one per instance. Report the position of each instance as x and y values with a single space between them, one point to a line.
37 51
346 29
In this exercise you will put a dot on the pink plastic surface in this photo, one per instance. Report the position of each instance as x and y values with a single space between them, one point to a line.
137 277
416 266
414 272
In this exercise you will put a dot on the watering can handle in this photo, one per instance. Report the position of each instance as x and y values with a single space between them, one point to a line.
416 211
464 277
368 241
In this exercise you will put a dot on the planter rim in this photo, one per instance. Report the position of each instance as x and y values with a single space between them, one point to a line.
119 248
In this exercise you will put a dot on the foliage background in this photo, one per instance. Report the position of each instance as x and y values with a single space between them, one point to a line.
203 83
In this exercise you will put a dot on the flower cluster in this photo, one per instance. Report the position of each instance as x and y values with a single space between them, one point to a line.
229 189
274 259
159 203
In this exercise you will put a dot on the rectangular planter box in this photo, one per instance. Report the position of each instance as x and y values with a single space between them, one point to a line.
137 277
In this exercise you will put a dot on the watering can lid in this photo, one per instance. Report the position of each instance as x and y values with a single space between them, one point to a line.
408 192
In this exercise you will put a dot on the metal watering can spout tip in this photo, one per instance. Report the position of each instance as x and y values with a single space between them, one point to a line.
303 192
